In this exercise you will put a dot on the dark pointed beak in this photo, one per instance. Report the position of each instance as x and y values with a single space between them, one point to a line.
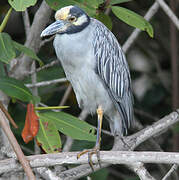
57 27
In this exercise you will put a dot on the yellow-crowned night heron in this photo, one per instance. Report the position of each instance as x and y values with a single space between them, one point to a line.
95 65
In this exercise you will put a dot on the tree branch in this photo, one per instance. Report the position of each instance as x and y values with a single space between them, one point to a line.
44 67
8 115
16 147
47 83
173 168
26 21
169 12
110 157
156 128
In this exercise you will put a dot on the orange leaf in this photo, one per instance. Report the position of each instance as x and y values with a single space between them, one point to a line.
31 124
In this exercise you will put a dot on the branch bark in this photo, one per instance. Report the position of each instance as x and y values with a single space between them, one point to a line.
173 168
153 130
16 147
110 157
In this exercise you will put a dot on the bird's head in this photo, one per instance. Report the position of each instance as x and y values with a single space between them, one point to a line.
70 19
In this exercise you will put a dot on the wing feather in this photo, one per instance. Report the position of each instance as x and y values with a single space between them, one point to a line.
112 68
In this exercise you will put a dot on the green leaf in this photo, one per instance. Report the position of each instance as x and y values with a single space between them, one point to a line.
48 136
105 19
86 5
29 52
7 52
133 19
70 125
15 89
56 4
112 2
5 20
21 5
2 70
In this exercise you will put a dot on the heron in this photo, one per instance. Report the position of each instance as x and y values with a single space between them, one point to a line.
95 65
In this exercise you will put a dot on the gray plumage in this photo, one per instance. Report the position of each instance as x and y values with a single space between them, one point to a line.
114 73
95 65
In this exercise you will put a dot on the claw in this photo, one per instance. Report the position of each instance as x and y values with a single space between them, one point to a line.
90 152
81 153
90 162
98 157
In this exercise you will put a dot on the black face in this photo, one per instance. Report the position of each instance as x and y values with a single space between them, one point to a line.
75 11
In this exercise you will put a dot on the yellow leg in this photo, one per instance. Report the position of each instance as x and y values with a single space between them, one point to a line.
96 149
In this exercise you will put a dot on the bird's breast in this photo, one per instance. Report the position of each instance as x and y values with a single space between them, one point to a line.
74 49
78 60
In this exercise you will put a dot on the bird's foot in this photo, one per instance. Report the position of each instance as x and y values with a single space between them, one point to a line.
95 150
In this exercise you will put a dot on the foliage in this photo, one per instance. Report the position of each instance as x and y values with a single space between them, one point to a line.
21 5
133 19
16 89
7 52
8 46
52 122
48 136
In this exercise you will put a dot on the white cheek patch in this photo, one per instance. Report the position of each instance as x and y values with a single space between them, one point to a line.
82 19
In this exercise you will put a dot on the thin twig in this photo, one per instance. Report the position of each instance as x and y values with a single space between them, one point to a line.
44 67
16 147
47 83
35 93
46 41
169 12
8 115
26 20
66 95
173 168
34 80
